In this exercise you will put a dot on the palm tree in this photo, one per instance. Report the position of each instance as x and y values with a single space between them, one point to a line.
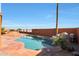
0 23
56 18
1 44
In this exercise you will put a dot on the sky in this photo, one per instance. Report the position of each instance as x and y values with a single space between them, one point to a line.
0 7
39 15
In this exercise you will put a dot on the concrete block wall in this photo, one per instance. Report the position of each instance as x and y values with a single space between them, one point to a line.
51 32
77 32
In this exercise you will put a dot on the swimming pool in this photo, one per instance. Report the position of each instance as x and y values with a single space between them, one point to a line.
33 43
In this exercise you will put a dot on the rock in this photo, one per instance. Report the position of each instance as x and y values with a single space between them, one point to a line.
75 53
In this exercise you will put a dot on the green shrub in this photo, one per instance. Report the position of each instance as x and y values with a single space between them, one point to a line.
3 30
60 40
12 30
63 40
19 29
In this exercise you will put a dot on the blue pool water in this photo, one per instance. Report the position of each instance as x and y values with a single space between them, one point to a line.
33 43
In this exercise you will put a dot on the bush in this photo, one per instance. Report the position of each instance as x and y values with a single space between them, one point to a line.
12 30
61 39
3 30
19 29
64 41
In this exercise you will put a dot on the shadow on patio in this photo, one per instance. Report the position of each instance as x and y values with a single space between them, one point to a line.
55 51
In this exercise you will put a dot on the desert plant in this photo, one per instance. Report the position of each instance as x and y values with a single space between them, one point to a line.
19 29
60 40
55 40
63 40
3 30
12 30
